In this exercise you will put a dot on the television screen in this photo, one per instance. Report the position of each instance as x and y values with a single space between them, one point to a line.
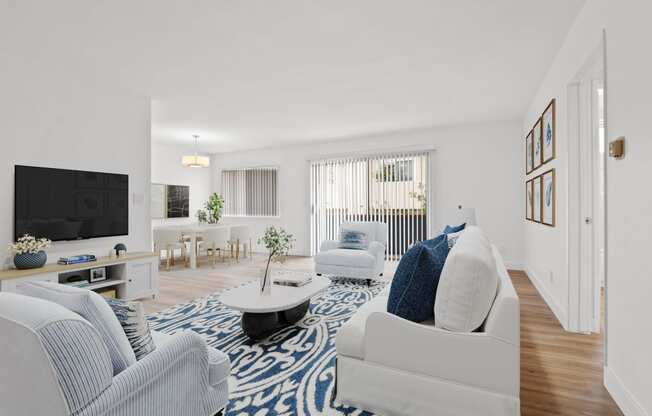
62 204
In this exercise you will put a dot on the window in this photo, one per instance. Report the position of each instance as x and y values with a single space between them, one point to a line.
389 188
250 192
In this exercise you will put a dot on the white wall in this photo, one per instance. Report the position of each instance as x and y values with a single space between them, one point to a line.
474 165
628 372
54 112
167 169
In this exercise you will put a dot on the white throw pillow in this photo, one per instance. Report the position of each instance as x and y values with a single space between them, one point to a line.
468 284
95 310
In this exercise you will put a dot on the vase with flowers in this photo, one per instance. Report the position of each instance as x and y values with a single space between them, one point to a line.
278 244
29 252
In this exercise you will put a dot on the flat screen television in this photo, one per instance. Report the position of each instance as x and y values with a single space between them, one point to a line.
62 204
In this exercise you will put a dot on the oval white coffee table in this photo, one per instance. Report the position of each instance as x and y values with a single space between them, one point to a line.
264 314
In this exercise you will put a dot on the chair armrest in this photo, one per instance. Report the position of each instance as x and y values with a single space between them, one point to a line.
176 372
328 245
376 249
475 359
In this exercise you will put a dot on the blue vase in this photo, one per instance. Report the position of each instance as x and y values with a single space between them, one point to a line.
30 260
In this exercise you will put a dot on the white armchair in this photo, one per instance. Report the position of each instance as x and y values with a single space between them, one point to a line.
357 264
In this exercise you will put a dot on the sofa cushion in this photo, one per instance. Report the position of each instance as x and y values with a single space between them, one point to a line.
95 310
412 295
454 229
350 338
468 284
353 240
346 257
219 364
434 241
131 316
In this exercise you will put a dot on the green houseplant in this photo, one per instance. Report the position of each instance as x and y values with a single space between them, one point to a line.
278 243
212 211
29 252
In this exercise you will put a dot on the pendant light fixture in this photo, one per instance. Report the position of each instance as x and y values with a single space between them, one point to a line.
196 161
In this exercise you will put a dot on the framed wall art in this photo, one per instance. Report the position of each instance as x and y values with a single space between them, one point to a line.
528 200
549 198
548 133
536 199
536 137
529 161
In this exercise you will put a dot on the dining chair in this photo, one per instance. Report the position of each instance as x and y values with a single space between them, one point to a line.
169 241
240 237
214 241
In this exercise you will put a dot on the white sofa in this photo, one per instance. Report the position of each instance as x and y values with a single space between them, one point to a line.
356 264
392 366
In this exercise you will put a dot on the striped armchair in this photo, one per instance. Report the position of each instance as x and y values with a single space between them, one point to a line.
54 362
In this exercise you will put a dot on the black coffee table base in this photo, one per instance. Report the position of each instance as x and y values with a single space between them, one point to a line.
260 325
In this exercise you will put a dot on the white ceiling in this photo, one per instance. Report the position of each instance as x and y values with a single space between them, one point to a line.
248 74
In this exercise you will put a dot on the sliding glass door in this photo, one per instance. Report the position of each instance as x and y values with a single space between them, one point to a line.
389 188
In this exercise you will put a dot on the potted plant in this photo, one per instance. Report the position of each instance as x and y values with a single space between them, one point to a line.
278 243
212 211
29 252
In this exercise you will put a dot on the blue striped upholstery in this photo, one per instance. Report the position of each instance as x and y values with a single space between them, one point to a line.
95 310
80 359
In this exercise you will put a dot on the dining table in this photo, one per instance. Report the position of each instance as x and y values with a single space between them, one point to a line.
193 232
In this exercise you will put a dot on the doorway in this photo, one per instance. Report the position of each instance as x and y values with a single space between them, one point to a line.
587 198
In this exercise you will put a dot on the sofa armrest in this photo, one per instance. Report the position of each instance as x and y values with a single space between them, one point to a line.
476 359
328 245
176 372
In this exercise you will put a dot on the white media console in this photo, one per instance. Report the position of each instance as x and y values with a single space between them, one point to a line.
134 276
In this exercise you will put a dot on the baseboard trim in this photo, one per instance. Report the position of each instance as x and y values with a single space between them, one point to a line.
621 395
559 313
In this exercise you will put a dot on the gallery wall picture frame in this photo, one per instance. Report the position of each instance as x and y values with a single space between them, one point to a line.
529 155
548 198
548 133
537 207
528 200
537 156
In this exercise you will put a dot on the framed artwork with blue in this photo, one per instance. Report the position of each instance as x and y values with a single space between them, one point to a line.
548 133
549 198
537 144
529 153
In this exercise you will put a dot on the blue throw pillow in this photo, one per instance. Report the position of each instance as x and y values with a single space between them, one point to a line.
433 242
412 295
353 240
455 229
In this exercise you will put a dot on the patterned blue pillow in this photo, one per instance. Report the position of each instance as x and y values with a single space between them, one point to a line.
456 229
354 240
412 295
131 316
433 242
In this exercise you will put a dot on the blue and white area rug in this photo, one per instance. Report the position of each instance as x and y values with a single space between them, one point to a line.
291 373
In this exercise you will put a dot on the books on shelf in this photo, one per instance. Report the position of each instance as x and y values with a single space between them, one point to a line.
80 283
294 280
84 258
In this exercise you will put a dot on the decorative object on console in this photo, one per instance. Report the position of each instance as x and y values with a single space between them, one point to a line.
83 258
529 152
412 294
549 196
119 247
131 316
97 274
278 242
549 139
29 252
196 161
353 239
537 153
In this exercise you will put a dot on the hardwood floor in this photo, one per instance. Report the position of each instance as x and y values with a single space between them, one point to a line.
561 372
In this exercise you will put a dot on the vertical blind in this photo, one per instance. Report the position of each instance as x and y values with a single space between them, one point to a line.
388 188
250 192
